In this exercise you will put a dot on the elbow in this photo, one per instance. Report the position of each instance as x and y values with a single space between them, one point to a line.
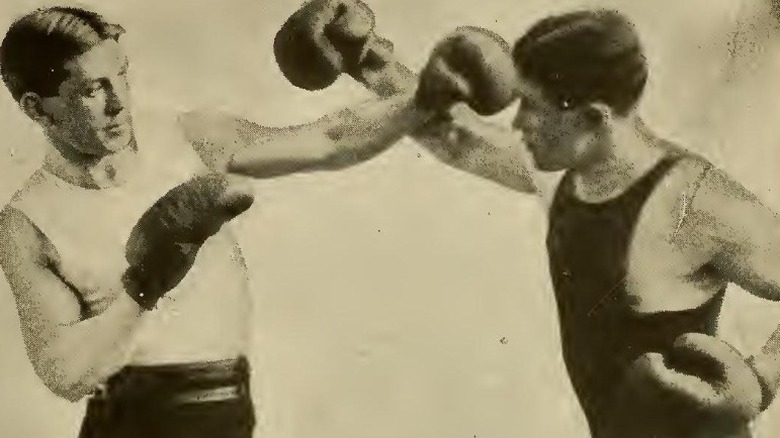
70 390
63 382
72 393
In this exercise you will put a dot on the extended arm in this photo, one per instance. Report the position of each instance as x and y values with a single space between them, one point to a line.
341 139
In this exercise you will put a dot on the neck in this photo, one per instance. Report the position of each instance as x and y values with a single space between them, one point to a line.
89 171
633 150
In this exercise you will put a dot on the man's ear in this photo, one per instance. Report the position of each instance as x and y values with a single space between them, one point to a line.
32 104
599 114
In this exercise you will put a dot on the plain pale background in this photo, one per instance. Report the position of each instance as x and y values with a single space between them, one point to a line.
383 291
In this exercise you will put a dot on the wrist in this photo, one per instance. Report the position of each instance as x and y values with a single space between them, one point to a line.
381 72
138 287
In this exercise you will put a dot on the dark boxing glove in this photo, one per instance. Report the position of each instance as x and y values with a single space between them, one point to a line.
323 39
165 241
471 65
701 386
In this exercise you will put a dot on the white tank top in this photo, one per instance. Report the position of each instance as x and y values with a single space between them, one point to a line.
205 317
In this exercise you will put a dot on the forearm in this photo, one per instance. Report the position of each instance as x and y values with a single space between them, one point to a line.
80 356
486 150
387 76
364 131
468 143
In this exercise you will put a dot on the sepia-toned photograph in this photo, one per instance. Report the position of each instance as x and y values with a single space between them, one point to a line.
390 218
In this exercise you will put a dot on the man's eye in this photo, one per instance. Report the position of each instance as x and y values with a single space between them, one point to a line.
91 91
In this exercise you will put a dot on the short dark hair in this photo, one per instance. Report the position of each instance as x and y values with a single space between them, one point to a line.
37 46
585 56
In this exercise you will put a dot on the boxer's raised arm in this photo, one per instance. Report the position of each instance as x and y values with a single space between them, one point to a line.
70 355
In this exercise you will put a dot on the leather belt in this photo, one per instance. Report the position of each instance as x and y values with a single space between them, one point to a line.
174 384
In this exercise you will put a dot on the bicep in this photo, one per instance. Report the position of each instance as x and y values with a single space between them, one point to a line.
44 301
752 260
746 234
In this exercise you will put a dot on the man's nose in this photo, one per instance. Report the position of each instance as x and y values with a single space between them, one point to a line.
521 120
115 102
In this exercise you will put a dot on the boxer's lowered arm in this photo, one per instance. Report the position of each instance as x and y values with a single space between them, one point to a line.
745 237
71 355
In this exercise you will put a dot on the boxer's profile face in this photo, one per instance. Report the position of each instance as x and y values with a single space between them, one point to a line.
559 137
91 111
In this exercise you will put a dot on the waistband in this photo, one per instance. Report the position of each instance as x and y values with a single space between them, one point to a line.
180 383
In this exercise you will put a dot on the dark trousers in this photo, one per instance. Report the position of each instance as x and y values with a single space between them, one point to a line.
199 400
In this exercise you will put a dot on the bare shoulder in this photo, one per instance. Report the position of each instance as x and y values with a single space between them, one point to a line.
721 210
718 192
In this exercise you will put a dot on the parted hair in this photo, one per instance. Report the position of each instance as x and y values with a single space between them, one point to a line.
37 46
585 56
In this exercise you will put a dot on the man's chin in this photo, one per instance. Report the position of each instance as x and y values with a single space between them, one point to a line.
116 145
546 166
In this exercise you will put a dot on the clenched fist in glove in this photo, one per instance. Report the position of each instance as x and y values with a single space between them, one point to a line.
324 39
471 65
165 241
701 382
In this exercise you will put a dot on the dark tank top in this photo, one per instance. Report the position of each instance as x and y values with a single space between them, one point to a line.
588 246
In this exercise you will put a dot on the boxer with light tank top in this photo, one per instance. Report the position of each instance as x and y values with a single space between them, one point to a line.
158 357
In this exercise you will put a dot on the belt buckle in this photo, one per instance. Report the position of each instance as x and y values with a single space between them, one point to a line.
218 394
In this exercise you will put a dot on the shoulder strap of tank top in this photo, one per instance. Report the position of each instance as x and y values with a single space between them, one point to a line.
641 189
638 191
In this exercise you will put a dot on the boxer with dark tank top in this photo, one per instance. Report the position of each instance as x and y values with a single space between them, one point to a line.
643 237
588 246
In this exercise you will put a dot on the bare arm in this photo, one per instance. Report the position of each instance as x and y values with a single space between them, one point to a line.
746 235
354 134
70 355
341 139
465 140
